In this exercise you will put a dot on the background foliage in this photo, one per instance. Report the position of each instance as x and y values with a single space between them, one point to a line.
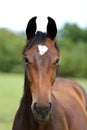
72 42
11 46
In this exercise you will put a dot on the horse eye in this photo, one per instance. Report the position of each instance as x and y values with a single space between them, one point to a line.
57 61
26 60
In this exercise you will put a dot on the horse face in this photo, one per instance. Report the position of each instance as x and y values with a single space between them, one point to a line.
41 58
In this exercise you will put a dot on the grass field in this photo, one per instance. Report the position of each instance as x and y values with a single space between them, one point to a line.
11 89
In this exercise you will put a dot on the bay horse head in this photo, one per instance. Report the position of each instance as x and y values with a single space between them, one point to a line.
41 57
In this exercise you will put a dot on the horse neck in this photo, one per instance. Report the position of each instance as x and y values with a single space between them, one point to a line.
27 92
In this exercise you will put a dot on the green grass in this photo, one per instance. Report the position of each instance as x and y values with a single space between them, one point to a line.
11 89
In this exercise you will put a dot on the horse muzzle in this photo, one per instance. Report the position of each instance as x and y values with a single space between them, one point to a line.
41 113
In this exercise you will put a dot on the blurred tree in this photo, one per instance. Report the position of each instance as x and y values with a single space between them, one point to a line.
11 46
72 42
73 32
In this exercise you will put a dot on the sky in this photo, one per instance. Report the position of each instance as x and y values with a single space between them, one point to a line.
15 14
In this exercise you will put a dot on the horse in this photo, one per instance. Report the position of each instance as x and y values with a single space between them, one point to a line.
48 102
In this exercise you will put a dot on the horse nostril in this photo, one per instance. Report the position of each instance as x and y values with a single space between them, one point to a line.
42 110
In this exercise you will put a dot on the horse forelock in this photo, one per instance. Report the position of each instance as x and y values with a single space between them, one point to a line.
39 37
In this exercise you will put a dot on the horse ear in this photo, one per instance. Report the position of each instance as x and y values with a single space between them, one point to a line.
31 28
51 28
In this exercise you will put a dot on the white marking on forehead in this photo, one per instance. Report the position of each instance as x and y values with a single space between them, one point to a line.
42 49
